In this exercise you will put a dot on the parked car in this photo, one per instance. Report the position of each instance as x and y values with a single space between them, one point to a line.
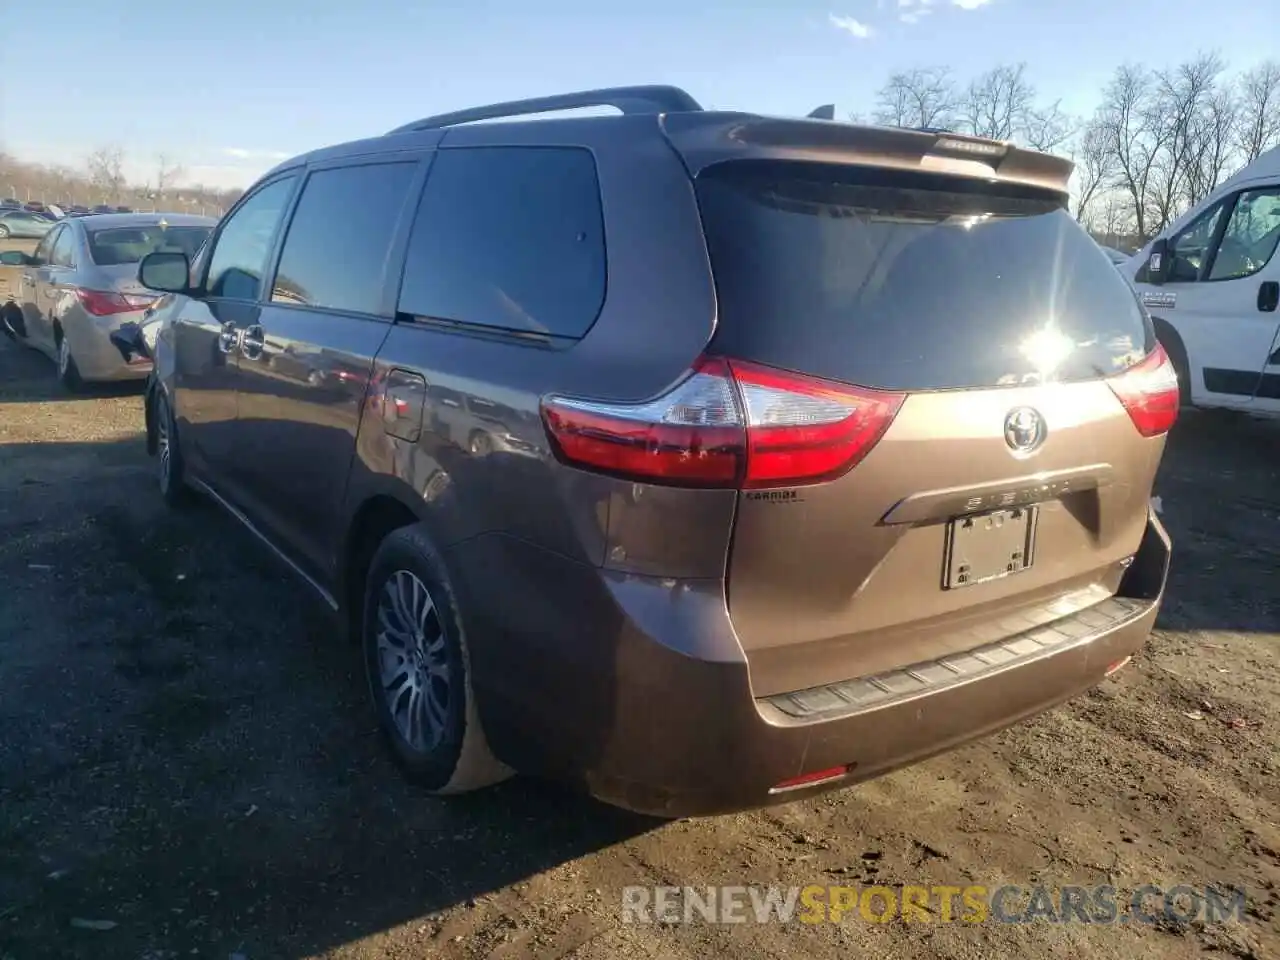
23 224
103 208
34 206
1117 257
81 284
1211 281
77 210
10 203
124 210
837 493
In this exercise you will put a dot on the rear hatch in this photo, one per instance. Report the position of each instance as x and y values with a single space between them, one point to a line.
986 395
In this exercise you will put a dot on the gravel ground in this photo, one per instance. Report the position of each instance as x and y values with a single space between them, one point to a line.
187 763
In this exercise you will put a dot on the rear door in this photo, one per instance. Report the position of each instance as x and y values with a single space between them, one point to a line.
305 361
995 321
207 329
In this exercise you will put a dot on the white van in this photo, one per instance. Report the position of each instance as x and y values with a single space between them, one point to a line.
1211 281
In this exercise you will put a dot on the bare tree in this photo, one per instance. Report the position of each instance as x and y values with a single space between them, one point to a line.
1048 127
1095 165
168 173
1178 113
1258 126
106 171
922 97
1134 136
997 103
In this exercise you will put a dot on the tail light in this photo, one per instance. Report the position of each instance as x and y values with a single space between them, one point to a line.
1149 391
728 424
104 303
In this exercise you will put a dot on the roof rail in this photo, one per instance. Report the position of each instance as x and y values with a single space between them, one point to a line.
825 112
651 98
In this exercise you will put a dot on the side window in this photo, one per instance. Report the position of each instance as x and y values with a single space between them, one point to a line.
44 248
64 249
1188 248
336 249
509 237
244 244
1249 241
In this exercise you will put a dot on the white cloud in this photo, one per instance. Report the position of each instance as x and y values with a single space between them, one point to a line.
240 153
970 4
855 28
914 16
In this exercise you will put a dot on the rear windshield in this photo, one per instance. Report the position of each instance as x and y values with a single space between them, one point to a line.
112 246
911 281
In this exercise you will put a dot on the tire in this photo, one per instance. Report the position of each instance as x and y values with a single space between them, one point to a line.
12 327
4 232
68 372
170 469
429 666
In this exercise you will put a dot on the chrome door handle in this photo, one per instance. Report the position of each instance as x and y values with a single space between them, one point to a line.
228 337
252 342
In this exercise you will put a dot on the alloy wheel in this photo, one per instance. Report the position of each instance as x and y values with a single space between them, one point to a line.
412 666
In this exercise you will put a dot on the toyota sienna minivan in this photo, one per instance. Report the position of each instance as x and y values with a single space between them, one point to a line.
824 448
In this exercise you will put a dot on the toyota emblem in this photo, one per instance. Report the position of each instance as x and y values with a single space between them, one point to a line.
1024 430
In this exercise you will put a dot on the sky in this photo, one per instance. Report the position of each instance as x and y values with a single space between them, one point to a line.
229 88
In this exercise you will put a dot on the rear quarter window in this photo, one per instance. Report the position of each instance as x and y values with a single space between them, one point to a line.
510 238
911 282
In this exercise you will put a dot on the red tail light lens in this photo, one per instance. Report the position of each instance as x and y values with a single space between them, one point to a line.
800 429
692 435
728 424
104 303
1149 391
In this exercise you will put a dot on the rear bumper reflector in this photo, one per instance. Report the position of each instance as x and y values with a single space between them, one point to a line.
1119 664
813 779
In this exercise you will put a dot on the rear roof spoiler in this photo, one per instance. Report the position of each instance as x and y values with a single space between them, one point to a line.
653 98
707 138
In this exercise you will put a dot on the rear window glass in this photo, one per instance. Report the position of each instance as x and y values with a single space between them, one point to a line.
510 238
911 282
113 246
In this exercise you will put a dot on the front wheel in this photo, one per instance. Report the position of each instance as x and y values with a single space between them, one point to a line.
170 469
4 232
419 669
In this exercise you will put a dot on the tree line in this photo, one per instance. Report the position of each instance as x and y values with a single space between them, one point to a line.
1160 139
101 179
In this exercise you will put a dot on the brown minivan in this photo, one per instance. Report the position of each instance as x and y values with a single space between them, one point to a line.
703 459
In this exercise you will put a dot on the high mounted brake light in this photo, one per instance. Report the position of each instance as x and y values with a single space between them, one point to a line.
727 424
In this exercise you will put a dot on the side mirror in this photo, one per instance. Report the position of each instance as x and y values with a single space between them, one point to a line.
14 258
1157 266
166 272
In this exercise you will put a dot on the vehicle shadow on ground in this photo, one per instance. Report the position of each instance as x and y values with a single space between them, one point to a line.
188 754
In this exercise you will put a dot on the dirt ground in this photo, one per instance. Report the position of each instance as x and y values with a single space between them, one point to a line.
187 763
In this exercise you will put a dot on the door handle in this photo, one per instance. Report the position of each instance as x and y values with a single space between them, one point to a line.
1269 296
252 342
228 337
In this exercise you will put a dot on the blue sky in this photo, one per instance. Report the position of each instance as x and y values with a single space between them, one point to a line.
229 87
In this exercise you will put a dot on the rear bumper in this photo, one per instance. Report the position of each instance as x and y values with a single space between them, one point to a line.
666 723
96 357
